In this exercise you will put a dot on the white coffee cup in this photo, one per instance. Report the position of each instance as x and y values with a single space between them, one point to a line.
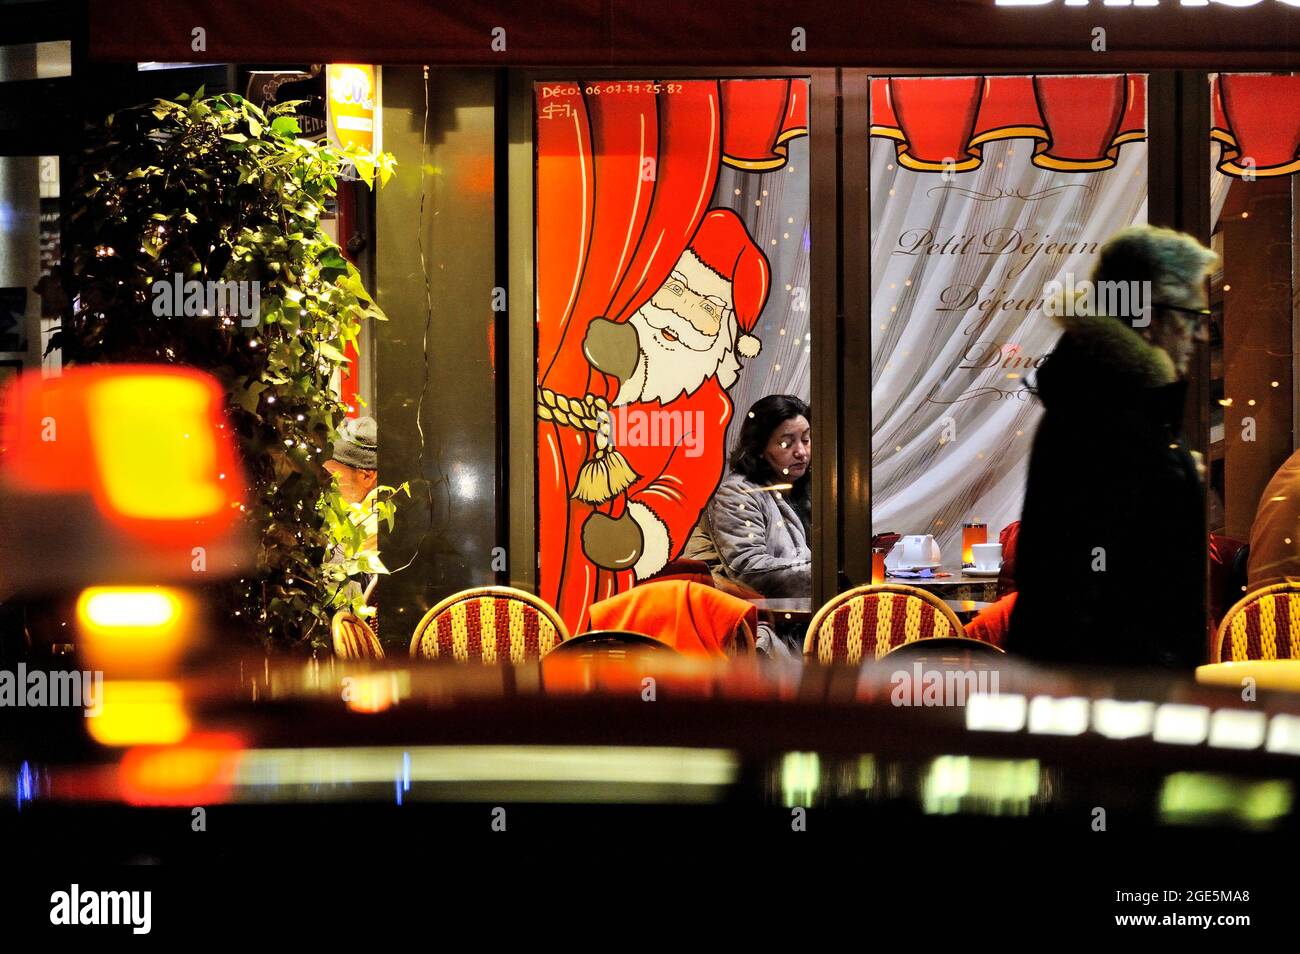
987 556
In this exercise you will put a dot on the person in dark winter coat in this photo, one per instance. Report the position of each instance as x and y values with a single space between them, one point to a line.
1111 562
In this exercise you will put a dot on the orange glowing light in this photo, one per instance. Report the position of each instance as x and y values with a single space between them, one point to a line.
375 692
115 607
200 771
149 444
972 534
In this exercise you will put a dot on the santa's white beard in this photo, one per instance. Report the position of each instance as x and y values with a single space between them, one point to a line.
667 369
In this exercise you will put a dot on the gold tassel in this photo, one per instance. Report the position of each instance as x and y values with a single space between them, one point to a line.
606 473
604 477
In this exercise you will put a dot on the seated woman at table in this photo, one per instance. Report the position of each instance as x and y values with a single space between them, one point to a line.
755 530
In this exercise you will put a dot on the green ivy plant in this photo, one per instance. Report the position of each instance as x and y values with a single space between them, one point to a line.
214 188
354 556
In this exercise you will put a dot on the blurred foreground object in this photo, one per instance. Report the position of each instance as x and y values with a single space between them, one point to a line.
135 631
117 474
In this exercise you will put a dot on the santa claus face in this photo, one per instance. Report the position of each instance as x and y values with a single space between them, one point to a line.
677 302
685 338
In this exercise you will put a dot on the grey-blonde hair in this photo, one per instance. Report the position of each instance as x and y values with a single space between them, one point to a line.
1173 262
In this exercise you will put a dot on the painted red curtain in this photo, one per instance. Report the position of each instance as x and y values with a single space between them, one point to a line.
625 173
1256 118
1078 122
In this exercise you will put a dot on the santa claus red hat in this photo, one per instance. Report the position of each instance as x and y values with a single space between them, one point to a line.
724 261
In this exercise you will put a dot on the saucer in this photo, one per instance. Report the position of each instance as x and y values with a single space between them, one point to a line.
972 571
909 567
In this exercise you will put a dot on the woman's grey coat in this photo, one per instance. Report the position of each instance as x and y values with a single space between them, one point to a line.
759 539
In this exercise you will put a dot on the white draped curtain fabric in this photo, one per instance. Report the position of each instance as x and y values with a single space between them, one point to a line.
959 268
774 207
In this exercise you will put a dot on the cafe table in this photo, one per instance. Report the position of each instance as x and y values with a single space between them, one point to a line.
957 585
1282 675
800 609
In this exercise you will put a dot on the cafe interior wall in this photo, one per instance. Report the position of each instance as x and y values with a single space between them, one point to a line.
967 496
1254 367
450 542
447 536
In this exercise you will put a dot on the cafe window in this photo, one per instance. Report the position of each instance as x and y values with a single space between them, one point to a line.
29 252
672 288
989 195
1253 335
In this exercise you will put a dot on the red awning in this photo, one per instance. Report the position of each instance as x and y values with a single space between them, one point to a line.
880 34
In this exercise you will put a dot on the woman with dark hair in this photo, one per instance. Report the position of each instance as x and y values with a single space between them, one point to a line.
755 530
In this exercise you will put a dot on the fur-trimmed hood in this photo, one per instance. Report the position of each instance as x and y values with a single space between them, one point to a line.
1100 363
1114 346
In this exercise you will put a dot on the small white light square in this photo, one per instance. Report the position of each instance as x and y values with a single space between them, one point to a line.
1181 725
987 712
1048 716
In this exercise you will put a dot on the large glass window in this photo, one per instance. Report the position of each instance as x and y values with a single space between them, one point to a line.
988 196
29 251
672 293
1252 395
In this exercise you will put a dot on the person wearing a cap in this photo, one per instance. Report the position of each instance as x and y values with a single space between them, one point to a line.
356 468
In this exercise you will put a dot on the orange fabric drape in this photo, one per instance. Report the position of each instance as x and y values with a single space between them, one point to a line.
693 618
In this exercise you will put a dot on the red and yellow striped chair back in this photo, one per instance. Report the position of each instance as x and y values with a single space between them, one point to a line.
489 624
868 621
1264 624
353 637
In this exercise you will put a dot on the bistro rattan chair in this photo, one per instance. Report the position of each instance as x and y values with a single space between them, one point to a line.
867 622
489 624
1264 624
353 637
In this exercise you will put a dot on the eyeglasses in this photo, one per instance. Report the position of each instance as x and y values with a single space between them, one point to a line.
1197 313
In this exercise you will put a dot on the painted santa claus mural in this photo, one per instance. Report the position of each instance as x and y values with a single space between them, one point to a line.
647 305
674 360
